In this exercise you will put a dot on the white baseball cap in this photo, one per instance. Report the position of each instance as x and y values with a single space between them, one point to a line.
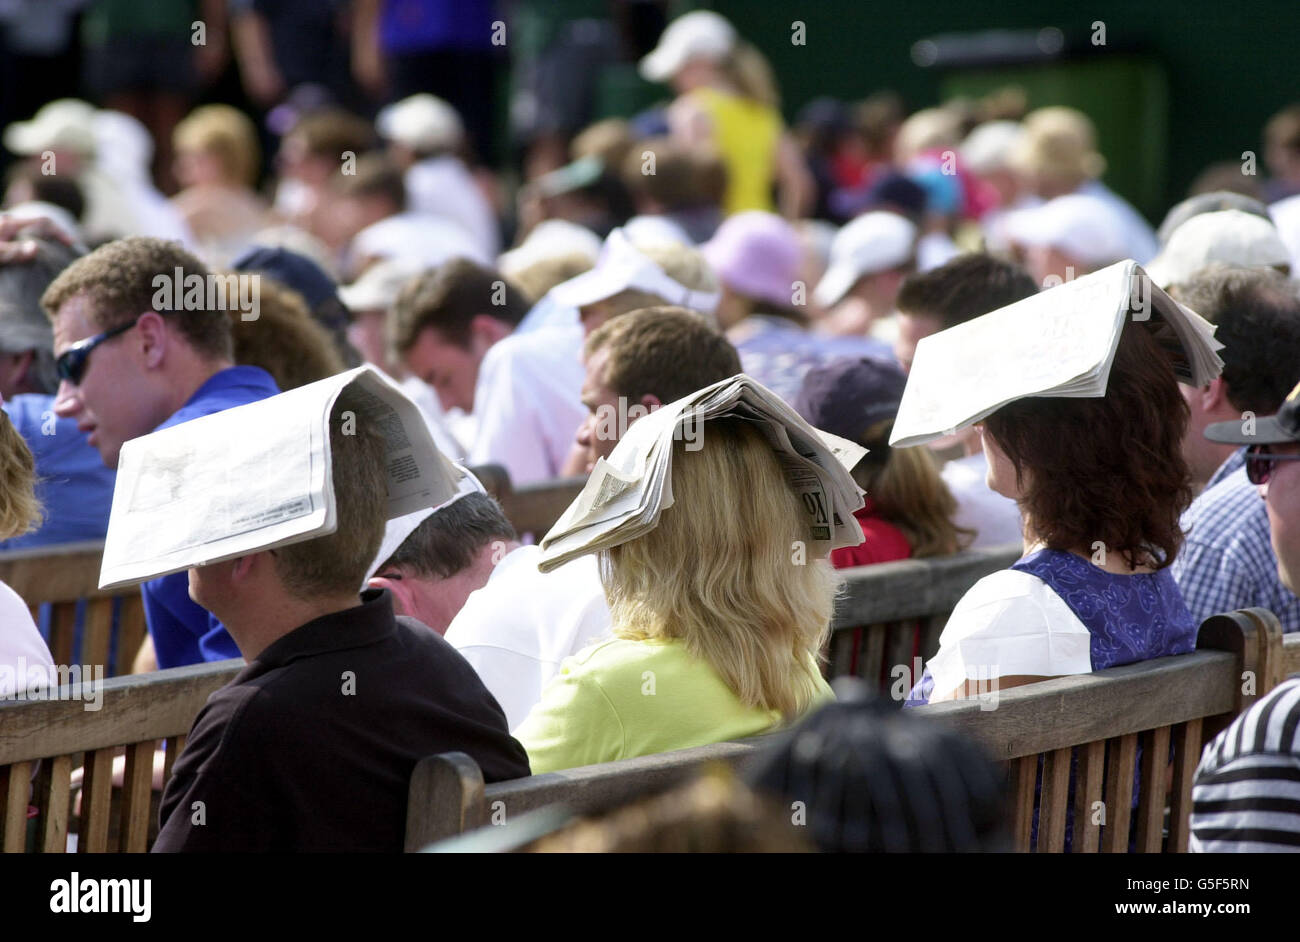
989 147
421 122
399 528
1227 237
65 124
700 34
378 286
1083 227
621 266
873 242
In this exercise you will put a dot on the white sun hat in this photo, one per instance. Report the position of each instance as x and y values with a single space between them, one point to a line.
622 266
65 124
1081 226
421 122
1227 237
700 34
551 238
873 242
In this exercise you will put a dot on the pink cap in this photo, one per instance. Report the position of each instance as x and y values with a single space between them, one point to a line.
756 254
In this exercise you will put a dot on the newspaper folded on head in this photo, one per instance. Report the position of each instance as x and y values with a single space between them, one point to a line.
259 476
627 492
1060 342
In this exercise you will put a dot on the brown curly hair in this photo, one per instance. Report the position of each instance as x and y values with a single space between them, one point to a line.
1108 469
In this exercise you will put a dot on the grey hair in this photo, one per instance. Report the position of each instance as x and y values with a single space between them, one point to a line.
23 324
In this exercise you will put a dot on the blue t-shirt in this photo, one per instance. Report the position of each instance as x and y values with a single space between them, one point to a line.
74 486
183 631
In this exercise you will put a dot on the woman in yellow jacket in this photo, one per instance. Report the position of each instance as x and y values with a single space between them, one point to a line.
727 100
717 619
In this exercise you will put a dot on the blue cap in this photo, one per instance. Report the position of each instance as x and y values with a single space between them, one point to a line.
296 271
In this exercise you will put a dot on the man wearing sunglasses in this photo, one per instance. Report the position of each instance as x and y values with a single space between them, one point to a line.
128 368
1273 466
1226 562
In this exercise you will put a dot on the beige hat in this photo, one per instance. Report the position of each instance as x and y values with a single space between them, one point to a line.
928 129
1059 143
65 124
421 122
1228 237
378 286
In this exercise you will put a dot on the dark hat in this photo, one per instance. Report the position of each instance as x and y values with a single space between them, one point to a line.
293 270
890 190
849 396
1272 430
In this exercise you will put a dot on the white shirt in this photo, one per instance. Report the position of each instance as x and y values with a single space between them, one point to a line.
517 629
1009 623
441 186
21 645
994 518
1286 216
1138 236
528 403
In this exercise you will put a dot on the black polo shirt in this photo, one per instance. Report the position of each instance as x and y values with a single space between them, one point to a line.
311 747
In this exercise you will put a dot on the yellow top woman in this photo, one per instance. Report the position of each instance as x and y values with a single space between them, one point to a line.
727 100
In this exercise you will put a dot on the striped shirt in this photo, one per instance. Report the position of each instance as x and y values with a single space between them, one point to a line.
1246 797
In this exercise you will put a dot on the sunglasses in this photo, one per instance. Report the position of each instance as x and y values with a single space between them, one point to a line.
1260 463
71 363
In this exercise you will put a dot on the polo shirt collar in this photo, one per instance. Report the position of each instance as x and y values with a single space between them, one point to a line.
235 377
356 627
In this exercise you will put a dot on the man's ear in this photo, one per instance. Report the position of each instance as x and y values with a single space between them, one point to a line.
402 589
488 330
152 338
242 567
1214 395
650 402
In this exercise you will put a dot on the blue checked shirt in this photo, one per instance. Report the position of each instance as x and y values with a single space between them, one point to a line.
1227 562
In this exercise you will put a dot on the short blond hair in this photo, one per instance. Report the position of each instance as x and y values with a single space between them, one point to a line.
724 574
227 134
20 511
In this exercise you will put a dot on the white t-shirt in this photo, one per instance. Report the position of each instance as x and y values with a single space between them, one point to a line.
442 186
21 644
1009 623
517 629
528 403
994 518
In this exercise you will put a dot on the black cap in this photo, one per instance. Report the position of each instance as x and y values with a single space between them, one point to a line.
291 269
1272 430
849 396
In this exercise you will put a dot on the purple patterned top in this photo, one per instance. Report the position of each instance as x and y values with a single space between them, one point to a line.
1129 617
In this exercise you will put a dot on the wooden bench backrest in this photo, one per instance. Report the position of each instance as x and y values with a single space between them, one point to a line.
1291 654
890 614
448 796
1178 700
136 713
1097 720
62 576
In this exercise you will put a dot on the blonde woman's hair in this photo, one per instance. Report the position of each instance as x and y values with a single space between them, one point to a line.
724 572
20 511
753 77
228 134
909 492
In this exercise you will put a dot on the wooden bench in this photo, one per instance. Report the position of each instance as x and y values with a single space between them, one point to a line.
1097 721
136 714
61 577
448 796
1180 700
890 614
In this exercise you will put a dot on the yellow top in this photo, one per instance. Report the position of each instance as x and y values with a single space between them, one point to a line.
619 699
746 134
